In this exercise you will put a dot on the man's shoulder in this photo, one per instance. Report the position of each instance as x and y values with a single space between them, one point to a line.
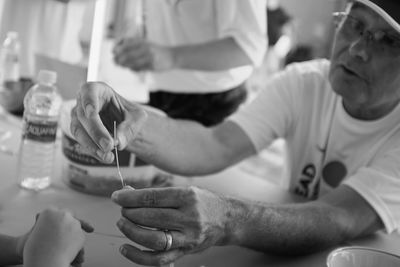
309 78
313 68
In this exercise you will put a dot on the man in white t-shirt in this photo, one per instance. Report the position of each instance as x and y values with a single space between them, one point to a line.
198 55
341 121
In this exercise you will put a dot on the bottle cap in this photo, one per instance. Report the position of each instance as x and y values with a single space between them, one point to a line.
47 76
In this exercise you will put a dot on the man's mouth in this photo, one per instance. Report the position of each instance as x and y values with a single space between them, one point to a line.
349 71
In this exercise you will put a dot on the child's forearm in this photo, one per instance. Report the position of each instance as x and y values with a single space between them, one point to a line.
9 254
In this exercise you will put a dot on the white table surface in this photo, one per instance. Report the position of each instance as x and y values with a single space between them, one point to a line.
18 208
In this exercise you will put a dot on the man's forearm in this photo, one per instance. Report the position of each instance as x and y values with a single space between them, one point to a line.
213 56
180 148
188 148
288 229
8 251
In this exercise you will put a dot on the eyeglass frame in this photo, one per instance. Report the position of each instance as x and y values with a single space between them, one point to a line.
375 37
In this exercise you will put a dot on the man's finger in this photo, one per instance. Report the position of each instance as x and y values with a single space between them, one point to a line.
79 259
136 63
146 237
149 238
87 227
162 218
133 52
128 130
129 45
150 197
91 99
82 137
150 258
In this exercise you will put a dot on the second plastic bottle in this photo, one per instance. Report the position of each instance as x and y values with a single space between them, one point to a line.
10 57
42 106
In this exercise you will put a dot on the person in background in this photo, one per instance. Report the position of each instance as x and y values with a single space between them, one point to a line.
279 43
277 20
341 121
198 55
56 240
299 53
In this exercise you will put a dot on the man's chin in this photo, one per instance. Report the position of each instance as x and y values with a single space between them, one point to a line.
342 81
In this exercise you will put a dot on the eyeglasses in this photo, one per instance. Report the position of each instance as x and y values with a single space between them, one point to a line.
354 28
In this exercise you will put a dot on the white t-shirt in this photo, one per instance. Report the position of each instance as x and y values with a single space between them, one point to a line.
326 146
185 22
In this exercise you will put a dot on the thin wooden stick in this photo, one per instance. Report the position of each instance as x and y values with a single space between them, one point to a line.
116 154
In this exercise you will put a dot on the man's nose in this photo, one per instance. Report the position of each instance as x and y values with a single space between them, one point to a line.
360 46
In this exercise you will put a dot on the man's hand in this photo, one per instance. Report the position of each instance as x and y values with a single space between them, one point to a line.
138 54
97 107
56 238
195 218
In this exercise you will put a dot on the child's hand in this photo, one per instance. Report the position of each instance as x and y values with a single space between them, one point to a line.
55 240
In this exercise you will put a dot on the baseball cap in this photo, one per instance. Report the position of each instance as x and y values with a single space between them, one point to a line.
387 9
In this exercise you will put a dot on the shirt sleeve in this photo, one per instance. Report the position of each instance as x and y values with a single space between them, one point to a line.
274 112
246 22
379 185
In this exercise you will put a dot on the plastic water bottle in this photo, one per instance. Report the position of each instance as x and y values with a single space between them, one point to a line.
42 106
10 57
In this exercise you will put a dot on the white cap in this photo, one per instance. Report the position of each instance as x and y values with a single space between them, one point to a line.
387 9
47 76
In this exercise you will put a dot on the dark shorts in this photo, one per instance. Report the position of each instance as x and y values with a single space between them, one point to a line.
208 109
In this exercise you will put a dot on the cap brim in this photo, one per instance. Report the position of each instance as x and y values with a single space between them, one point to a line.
382 13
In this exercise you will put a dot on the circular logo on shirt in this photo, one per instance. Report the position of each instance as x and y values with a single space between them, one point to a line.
334 172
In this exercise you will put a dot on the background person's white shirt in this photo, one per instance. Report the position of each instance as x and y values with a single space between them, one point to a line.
185 22
300 106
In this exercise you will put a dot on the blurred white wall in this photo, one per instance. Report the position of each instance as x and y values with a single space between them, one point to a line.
45 26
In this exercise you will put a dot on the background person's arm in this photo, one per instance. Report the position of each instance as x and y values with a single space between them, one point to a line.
218 55
240 40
